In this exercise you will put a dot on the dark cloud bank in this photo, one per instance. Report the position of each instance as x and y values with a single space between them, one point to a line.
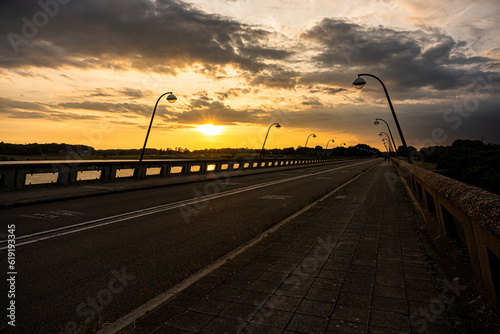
168 36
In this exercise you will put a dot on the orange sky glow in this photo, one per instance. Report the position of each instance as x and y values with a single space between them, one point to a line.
91 73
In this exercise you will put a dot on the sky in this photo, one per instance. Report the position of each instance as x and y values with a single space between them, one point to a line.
90 72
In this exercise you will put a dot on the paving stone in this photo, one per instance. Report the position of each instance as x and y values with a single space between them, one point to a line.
239 311
271 317
381 330
396 281
281 268
171 330
220 325
354 300
430 325
282 302
191 321
352 314
273 276
224 293
323 295
291 290
390 320
337 326
316 308
209 306
395 305
264 286
356 287
301 280
420 284
307 323
261 329
363 278
252 297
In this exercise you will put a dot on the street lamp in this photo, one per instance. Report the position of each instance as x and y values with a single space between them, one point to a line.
388 140
278 126
312 134
170 98
328 142
386 148
388 128
360 83
331 140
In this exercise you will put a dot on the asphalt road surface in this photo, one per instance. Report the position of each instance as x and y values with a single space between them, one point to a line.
98 258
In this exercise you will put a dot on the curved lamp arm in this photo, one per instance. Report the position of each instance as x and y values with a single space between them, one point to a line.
360 84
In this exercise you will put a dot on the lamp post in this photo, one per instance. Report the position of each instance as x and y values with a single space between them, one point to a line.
170 98
386 148
360 83
388 140
326 149
384 141
331 140
278 126
376 122
312 134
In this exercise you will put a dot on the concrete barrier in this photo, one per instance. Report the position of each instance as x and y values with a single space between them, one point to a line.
465 215
15 176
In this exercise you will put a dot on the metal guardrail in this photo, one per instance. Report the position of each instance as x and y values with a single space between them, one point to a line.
466 215
22 175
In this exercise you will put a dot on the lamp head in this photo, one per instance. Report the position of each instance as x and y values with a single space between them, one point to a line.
171 98
380 134
359 83
314 136
278 125
376 122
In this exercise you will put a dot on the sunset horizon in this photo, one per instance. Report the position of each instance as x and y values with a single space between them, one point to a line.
90 74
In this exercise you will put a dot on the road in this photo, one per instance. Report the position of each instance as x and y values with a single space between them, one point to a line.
101 257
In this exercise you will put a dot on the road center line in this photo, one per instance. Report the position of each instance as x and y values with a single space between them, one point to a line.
156 209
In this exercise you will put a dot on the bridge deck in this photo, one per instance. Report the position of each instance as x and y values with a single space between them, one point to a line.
353 263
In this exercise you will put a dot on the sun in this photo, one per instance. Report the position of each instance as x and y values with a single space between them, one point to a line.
210 129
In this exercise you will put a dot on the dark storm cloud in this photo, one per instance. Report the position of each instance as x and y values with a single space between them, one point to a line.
408 58
7 105
35 110
158 36
233 92
124 108
277 77
327 90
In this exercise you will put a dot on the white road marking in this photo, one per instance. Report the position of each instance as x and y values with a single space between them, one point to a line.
275 197
50 215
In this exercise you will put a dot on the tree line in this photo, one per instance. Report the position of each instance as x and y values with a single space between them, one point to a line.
469 161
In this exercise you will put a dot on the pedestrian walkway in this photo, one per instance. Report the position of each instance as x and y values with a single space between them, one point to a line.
351 264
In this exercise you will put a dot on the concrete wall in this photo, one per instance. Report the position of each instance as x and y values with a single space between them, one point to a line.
466 215
25 174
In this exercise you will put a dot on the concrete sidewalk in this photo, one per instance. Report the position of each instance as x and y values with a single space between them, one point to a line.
353 263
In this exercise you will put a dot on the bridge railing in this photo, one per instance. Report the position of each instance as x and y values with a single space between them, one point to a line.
467 216
25 174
